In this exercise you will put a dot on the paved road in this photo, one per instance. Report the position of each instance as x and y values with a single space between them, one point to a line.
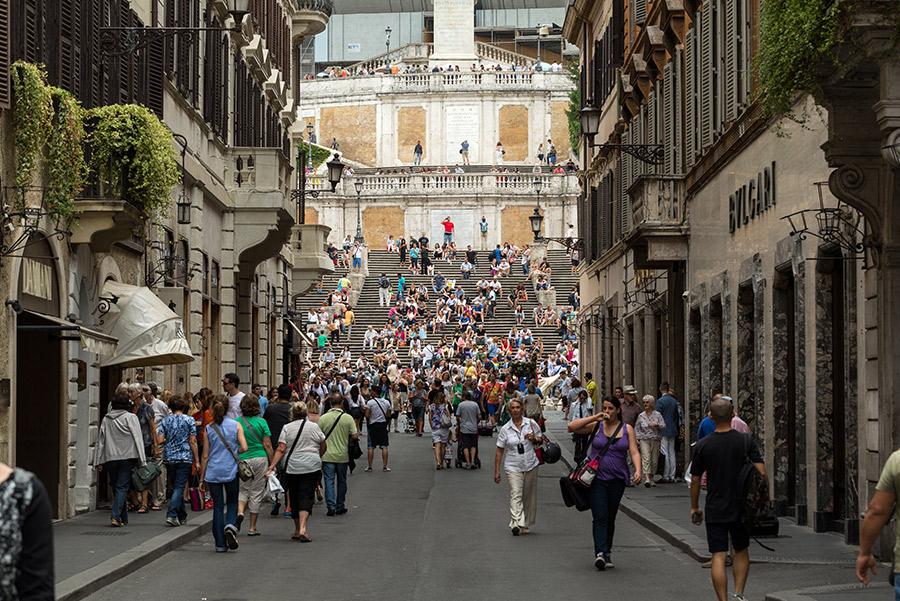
416 534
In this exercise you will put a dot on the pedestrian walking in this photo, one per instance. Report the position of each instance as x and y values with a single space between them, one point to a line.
219 473
648 430
722 455
417 404
26 547
339 428
231 385
438 412
378 411
177 434
417 153
483 228
515 452
120 447
301 445
668 407
580 407
384 291
278 415
258 455
468 413
145 499
882 506
612 441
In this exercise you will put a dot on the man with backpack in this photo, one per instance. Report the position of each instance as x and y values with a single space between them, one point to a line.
736 476
384 291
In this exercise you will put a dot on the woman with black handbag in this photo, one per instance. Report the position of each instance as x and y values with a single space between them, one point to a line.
302 444
611 442
120 448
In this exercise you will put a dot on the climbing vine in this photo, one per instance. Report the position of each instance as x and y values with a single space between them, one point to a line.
65 155
32 114
132 154
573 111
319 154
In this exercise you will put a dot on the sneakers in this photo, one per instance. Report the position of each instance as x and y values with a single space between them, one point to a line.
515 531
600 562
368 469
340 511
609 564
172 522
276 508
183 520
231 537
239 521
330 512
738 597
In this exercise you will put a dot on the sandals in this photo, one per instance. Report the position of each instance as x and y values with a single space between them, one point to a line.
142 509
155 508
301 537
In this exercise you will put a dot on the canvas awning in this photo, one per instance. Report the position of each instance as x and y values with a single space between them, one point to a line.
303 335
149 333
91 340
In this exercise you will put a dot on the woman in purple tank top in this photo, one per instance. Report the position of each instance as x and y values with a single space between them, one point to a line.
612 474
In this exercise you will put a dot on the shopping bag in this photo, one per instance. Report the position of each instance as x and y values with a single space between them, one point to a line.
274 485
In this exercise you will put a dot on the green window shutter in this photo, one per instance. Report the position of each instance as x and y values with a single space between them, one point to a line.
706 77
651 120
730 32
690 93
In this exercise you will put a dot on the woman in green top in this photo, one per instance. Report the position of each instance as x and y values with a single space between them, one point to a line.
257 455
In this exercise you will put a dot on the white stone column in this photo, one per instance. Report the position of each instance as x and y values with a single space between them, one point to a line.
454 31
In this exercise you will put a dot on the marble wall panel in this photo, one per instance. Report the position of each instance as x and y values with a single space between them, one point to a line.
695 402
311 216
744 396
824 393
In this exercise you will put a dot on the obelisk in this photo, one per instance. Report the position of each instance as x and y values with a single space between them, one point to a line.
454 32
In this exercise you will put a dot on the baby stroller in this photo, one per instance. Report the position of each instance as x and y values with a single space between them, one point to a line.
410 425
461 460
449 453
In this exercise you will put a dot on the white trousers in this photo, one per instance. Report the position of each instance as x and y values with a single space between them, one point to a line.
668 450
384 297
522 498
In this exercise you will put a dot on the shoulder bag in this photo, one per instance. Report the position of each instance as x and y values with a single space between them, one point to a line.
287 457
575 492
245 472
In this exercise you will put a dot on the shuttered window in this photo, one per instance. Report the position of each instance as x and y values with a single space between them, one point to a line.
639 11
4 54
668 120
652 113
730 31
607 202
707 83
742 51
624 205
594 242
155 69
690 91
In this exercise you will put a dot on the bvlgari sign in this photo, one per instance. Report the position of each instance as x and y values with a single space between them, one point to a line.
752 199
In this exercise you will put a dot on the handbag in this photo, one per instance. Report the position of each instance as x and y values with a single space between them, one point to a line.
142 476
585 472
445 419
245 472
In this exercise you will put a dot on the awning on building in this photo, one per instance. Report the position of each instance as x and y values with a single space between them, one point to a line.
91 340
149 333
303 335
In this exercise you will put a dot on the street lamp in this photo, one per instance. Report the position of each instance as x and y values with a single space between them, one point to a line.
537 222
298 194
121 41
590 121
358 184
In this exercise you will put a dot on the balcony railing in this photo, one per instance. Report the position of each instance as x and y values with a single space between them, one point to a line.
657 200
464 81
320 6
418 52
421 184
495 53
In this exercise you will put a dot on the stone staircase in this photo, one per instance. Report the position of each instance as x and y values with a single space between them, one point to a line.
369 313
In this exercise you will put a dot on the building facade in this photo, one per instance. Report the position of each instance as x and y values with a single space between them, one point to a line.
226 271
725 263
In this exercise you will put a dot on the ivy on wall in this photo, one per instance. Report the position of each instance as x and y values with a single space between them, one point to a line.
573 111
48 125
319 154
132 154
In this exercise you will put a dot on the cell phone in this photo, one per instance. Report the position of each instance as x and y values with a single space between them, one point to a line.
696 518
521 448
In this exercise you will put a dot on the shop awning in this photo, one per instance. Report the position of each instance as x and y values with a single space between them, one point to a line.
149 333
303 335
91 340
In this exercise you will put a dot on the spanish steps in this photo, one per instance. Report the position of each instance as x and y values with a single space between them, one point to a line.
367 311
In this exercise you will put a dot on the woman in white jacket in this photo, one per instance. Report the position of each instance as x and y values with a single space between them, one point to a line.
120 447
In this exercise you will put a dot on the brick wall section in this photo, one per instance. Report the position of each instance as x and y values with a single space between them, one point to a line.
410 128
559 129
515 226
354 128
380 222
513 121
311 216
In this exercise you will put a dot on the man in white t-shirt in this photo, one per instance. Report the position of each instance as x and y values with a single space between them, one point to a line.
377 411
230 384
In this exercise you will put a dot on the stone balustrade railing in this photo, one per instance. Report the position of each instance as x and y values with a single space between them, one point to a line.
464 81
418 52
658 200
500 55
419 184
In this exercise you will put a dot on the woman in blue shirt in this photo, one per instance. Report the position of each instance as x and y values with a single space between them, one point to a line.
178 435
219 472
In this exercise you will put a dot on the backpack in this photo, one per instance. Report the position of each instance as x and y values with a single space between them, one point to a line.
754 489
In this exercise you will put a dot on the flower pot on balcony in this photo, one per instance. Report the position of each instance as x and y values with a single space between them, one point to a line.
310 260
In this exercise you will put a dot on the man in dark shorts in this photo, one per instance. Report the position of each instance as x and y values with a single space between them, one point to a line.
377 412
721 455
468 413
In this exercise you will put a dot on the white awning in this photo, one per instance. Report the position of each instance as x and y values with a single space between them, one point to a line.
91 340
149 333
303 335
